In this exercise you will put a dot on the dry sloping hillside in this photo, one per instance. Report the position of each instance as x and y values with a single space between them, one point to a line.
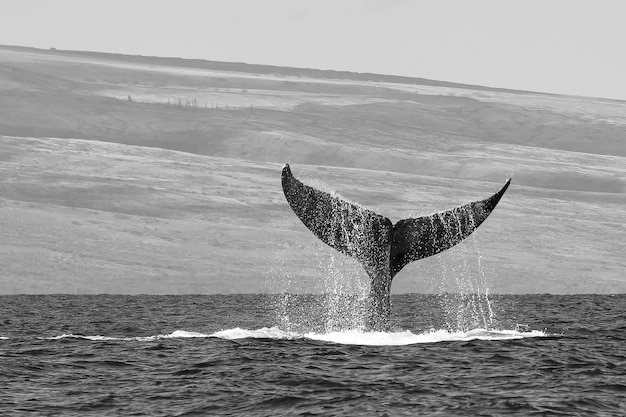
137 175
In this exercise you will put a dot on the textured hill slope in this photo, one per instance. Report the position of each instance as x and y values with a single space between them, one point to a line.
130 175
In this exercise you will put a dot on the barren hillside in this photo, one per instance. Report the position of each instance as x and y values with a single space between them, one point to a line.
140 175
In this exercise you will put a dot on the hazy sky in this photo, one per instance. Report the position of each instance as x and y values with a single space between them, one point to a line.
562 46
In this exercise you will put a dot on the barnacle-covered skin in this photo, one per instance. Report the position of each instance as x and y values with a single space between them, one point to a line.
380 246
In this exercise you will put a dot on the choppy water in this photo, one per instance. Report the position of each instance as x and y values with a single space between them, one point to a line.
276 355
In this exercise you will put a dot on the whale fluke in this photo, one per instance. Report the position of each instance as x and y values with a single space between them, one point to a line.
419 238
380 246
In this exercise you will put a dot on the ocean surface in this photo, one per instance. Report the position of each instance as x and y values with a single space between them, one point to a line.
270 355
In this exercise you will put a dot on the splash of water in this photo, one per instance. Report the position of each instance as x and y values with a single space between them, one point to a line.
342 304
345 297
345 289
464 286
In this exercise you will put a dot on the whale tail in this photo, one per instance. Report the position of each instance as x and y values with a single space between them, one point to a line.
383 248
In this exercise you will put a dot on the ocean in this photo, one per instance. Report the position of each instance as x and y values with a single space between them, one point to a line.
273 355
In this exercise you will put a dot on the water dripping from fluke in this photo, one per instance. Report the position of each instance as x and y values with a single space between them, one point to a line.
383 249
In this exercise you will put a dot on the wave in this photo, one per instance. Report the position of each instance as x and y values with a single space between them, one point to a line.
347 337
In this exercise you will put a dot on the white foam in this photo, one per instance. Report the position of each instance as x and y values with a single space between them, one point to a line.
181 334
78 336
262 333
354 337
357 337
178 334
346 337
